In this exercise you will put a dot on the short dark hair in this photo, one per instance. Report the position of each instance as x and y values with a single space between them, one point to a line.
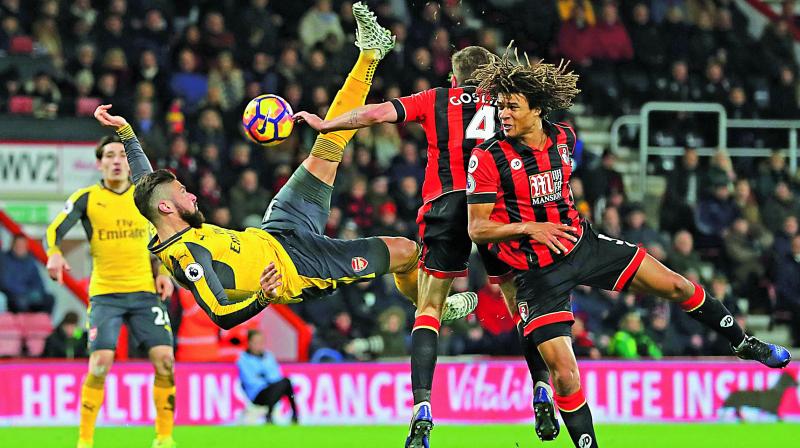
70 318
98 150
143 194
467 60
251 334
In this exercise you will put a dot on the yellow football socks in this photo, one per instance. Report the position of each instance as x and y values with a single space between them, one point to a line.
91 401
164 399
353 93
365 66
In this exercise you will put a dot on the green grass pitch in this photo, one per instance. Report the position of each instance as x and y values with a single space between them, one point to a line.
444 436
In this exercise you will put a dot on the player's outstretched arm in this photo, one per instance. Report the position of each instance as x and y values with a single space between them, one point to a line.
196 273
198 276
133 149
360 117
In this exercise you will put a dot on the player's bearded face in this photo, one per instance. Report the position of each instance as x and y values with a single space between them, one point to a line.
193 216
186 205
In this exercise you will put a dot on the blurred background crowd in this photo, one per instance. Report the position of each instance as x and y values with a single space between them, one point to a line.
181 73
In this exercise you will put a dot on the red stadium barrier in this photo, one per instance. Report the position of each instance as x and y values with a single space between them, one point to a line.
40 393
773 16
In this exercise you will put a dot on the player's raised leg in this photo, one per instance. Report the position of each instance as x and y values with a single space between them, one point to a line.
404 256
375 42
654 278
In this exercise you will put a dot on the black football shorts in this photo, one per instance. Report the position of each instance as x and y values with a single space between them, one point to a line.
143 312
298 222
543 294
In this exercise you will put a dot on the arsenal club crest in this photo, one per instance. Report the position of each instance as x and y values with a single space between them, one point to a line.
523 310
359 264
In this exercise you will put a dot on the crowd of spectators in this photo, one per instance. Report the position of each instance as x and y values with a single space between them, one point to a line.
181 72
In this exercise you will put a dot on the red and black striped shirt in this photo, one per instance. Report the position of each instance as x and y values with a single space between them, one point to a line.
455 120
526 184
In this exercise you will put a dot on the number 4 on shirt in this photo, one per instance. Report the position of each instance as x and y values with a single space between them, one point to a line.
482 125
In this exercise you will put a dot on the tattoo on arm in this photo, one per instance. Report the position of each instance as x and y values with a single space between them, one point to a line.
353 119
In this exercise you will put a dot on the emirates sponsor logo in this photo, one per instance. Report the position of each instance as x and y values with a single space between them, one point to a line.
359 264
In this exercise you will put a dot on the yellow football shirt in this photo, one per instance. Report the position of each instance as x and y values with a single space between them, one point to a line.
117 234
222 268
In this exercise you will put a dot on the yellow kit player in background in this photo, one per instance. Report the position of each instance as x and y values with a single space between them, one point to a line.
121 287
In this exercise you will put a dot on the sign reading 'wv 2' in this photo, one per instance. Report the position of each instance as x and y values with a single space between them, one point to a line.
50 168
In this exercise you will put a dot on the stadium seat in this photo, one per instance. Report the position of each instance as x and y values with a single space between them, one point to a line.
21 45
35 324
35 346
35 327
20 105
84 107
10 336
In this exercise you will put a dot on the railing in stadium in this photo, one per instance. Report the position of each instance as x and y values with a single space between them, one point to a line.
642 120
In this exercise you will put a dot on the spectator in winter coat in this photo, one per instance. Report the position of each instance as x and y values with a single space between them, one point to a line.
631 341
612 42
249 200
20 280
67 341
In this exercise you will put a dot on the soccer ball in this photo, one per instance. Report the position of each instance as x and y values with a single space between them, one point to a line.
267 120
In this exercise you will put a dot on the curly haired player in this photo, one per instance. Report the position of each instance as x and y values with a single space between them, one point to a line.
455 119
521 203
